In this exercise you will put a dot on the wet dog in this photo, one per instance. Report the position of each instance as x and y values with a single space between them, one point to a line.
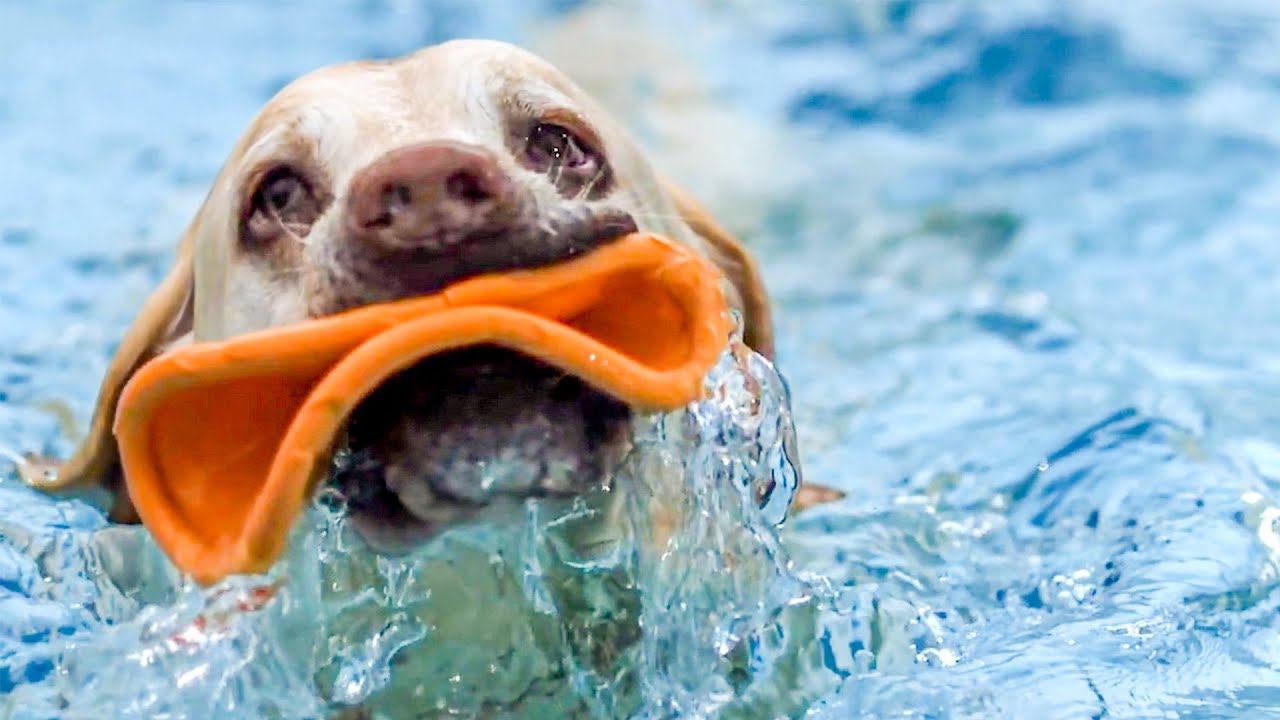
375 181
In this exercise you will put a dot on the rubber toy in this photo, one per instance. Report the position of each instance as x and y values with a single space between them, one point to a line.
223 443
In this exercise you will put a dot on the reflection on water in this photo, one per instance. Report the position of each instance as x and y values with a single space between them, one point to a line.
667 595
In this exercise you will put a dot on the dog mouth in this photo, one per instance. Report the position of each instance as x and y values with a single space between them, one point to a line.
529 239
458 431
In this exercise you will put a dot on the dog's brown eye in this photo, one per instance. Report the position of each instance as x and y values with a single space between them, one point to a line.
551 145
570 162
283 192
283 203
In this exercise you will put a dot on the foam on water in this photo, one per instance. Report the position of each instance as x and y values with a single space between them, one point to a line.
667 595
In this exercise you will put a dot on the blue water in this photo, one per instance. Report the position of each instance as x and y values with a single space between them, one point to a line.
1026 278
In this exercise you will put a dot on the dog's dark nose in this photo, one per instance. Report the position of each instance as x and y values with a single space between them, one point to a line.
427 195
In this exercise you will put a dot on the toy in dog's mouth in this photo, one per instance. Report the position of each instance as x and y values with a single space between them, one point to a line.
456 431
511 384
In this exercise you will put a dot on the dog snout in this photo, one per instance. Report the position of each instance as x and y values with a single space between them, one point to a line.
427 194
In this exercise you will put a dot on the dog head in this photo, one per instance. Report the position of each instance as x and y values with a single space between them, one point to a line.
375 181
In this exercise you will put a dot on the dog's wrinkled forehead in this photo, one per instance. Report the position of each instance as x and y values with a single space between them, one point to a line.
346 116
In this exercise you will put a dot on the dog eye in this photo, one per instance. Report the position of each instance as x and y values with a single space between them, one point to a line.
283 192
283 203
572 164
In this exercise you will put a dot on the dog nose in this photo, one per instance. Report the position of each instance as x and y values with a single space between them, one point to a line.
427 194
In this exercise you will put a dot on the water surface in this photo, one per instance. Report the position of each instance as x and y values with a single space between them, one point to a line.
1026 280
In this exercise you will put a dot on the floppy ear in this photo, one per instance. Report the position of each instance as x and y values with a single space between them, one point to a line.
165 317
736 263
741 268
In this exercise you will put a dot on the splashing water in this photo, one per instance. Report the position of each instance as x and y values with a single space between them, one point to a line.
667 594
1024 268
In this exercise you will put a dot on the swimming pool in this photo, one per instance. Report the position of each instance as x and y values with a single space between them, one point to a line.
1026 282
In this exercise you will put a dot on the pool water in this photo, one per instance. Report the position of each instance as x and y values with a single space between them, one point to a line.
1025 278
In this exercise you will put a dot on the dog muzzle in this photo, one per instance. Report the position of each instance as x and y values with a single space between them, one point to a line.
223 443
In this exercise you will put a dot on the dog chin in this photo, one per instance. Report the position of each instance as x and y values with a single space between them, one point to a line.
461 431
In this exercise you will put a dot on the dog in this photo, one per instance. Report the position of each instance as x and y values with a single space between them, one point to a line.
374 181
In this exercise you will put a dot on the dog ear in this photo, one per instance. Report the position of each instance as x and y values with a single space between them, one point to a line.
736 263
165 318
741 268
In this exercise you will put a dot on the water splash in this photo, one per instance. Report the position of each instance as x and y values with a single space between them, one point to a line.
666 594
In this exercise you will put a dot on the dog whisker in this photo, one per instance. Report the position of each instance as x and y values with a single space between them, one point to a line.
663 217
557 172
545 226
590 184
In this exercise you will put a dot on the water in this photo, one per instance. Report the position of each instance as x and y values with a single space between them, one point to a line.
667 595
1025 273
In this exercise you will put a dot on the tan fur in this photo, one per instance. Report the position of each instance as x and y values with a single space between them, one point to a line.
736 263
336 121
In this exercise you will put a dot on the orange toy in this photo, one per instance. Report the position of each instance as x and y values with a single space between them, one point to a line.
222 443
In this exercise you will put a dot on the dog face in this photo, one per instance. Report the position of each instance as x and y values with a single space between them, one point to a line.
375 181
